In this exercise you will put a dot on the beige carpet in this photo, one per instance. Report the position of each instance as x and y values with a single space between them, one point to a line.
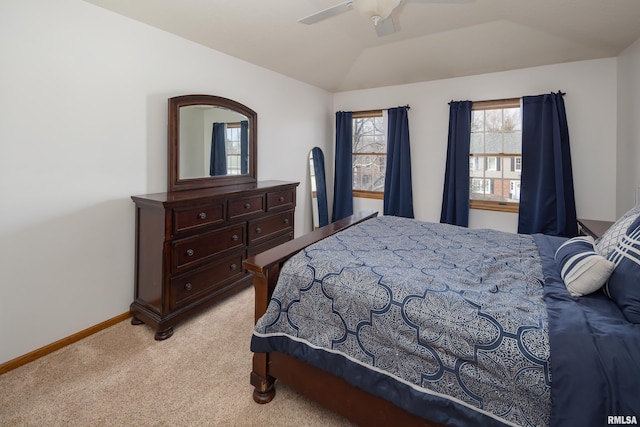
123 377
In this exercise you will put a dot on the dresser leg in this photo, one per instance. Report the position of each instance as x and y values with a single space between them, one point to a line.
163 335
136 321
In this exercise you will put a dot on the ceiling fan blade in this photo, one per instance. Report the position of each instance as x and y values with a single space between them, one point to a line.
385 27
326 13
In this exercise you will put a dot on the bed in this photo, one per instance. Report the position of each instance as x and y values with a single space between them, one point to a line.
388 320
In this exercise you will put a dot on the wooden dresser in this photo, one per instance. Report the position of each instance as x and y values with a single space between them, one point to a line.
190 246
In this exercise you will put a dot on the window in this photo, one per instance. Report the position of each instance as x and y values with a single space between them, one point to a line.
516 164
495 161
480 186
233 148
369 154
493 164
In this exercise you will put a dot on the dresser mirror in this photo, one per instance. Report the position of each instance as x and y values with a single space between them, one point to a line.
212 142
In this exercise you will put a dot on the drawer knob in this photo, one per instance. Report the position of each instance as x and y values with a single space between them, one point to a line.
281 199
247 205
234 237
202 215
190 252
286 220
258 230
188 286
233 267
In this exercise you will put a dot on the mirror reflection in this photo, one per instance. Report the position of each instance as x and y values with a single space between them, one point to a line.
214 141
319 207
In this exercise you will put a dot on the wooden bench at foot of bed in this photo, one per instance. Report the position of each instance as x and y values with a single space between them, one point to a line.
329 390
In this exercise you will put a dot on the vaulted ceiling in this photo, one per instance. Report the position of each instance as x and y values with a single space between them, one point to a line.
432 41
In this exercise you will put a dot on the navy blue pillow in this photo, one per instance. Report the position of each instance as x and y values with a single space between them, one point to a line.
623 286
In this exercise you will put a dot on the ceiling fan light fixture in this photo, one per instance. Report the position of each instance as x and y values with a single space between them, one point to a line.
375 10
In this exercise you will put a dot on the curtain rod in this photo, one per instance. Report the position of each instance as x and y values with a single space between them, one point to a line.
380 109
505 99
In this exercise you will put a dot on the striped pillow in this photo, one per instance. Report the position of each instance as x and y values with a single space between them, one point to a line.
623 286
583 270
611 237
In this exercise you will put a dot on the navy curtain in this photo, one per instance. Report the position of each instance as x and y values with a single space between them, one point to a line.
547 201
455 198
343 182
244 147
398 194
218 163
321 186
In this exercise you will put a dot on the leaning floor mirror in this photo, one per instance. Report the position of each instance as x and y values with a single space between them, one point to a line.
319 206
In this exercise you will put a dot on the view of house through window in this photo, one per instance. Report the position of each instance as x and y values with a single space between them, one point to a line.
233 148
369 153
495 160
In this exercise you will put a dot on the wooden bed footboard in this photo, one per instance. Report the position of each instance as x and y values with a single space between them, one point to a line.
265 268
330 391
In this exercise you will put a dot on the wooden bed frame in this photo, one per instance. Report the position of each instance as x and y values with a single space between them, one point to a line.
329 390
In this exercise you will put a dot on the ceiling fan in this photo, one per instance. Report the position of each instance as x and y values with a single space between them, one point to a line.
378 11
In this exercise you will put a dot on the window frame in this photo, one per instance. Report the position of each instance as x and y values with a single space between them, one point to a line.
367 194
230 167
491 205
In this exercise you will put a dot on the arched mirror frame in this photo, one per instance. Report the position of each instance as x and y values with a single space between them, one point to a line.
174 181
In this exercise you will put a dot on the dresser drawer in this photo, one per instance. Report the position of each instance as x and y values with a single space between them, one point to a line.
281 199
267 227
199 249
199 216
194 285
239 208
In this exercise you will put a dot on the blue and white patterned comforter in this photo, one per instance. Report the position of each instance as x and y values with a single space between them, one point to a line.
436 318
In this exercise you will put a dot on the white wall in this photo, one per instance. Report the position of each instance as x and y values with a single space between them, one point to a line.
628 171
83 118
591 115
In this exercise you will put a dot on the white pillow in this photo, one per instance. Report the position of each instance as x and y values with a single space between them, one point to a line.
582 269
611 237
